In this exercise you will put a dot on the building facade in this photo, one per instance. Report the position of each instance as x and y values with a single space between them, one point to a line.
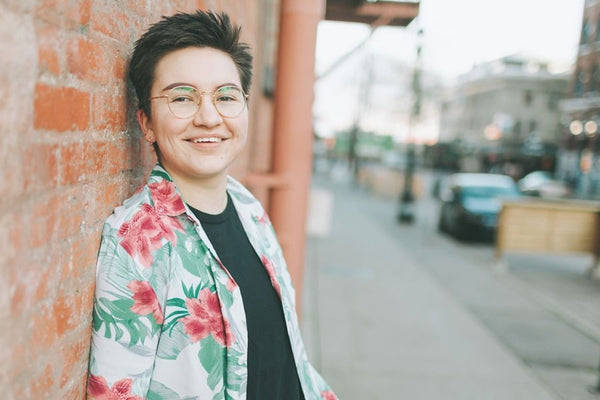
580 143
505 112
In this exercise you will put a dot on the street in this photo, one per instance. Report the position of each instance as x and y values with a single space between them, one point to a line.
544 310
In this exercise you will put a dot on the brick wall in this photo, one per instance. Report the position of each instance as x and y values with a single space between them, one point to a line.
71 153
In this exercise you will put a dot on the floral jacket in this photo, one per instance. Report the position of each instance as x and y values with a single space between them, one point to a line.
168 319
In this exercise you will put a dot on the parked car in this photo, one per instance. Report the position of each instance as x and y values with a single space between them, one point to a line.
542 184
471 202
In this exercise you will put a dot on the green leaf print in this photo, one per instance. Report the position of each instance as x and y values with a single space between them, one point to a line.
172 343
176 302
158 391
193 256
242 198
226 297
117 316
162 174
212 358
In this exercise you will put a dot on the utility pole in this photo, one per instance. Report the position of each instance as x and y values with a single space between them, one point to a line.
363 104
406 212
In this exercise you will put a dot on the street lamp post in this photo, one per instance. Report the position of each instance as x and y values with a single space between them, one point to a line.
406 212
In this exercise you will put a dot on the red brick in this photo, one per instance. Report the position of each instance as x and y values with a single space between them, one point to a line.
78 388
73 360
69 213
60 108
63 310
102 199
82 255
43 222
41 170
18 298
18 358
64 14
42 386
49 49
111 20
71 163
117 159
17 225
87 59
87 297
43 331
110 111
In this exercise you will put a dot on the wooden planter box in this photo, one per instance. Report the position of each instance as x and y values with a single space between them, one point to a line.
550 226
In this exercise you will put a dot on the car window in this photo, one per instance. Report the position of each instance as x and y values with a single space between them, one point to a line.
488 191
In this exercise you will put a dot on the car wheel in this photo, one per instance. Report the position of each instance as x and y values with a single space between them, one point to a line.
441 225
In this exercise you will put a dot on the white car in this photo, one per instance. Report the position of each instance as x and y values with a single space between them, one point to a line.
542 184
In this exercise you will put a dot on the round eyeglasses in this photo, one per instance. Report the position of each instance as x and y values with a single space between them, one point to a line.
184 101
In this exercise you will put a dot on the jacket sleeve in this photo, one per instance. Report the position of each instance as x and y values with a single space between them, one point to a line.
127 320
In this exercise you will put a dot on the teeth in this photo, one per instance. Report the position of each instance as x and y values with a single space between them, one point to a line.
208 140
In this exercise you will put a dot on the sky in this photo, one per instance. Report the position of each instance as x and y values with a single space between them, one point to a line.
460 33
457 34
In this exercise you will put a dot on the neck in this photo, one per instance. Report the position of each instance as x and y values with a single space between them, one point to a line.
207 195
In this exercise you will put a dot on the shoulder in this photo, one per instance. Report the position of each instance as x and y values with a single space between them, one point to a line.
130 207
158 192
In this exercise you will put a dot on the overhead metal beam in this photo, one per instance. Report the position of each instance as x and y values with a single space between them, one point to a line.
378 13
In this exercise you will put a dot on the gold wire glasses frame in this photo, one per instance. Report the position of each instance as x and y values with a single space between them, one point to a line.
184 101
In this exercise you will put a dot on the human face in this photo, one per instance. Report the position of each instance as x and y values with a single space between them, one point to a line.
199 149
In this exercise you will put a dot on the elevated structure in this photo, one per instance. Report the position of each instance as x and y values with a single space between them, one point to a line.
374 13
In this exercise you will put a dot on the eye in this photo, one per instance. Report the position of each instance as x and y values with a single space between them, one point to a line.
181 98
229 94
183 94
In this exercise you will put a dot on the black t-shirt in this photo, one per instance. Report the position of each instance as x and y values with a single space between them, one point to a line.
272 372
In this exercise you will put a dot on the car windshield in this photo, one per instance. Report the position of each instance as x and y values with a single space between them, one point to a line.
488 191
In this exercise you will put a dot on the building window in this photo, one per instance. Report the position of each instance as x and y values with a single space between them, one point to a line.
517 129
585 32
528 97
553 99
595 79
578 88
532 127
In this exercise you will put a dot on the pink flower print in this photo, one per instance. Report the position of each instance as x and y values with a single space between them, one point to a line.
145 231
263 220
272 274
206 319
328 395
145 300
231 285
166 199
98 389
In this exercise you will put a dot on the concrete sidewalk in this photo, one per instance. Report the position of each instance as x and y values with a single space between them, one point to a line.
378 327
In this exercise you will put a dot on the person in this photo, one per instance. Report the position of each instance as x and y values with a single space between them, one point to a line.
193 299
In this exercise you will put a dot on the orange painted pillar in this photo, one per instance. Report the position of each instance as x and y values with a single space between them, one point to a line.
293 135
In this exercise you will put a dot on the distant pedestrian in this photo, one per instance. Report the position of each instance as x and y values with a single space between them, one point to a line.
193 299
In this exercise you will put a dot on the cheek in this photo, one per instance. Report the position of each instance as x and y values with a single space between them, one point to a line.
169 127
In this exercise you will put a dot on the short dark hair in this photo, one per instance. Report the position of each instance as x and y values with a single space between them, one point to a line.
182 30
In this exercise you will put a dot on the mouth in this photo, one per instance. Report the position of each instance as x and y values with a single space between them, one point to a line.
206 140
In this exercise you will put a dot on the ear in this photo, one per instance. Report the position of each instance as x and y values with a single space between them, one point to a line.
146 126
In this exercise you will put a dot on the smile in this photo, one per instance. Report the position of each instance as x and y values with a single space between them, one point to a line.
207 140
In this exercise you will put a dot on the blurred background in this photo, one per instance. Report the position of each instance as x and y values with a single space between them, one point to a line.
453 220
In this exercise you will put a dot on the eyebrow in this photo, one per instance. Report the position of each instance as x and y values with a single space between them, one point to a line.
173 85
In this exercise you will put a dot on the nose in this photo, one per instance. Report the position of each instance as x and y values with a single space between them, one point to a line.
207 113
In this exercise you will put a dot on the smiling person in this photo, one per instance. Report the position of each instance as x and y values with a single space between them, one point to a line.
193 299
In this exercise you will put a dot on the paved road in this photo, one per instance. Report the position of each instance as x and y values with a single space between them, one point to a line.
395 311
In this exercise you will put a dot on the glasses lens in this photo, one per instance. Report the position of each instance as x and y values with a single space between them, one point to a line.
229 101
183 101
